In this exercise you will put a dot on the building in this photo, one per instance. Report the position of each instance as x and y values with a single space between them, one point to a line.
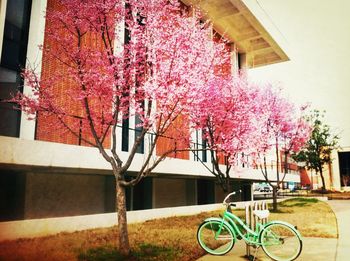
54 176
341 169
336 174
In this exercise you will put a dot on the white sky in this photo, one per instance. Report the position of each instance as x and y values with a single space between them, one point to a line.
318 36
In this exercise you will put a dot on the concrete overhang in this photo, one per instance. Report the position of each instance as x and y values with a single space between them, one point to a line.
246 24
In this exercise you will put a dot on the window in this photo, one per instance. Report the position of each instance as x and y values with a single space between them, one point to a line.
204 146
12 190
205 191
196 147
125 135
13 58
344 167
239 60
200 143
138 131
125 123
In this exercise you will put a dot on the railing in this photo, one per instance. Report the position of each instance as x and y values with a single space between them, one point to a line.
252 220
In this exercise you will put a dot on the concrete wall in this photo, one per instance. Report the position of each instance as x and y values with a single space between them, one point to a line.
20 153
55 194
49 226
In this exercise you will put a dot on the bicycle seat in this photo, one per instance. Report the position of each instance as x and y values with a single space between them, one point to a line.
261 213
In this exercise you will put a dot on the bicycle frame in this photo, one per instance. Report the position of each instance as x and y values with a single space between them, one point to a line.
251 237
230 227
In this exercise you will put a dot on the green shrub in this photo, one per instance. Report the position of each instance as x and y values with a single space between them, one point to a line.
145 252
153 252
101 254
298 202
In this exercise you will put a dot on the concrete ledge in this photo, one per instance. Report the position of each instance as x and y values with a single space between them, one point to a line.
49 226
346 189
81 159
320 198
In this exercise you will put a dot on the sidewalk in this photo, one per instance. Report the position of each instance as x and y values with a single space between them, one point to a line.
320 249
341 209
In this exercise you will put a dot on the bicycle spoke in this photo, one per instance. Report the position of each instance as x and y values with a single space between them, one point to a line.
215 238
280 242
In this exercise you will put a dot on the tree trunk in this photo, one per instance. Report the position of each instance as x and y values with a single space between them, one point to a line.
285 163
228 189
274 198
323 181
274 188
124 246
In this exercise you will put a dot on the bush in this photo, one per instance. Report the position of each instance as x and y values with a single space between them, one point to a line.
101 254
143 252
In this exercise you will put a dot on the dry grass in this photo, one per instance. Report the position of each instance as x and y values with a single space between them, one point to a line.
313 218
177 235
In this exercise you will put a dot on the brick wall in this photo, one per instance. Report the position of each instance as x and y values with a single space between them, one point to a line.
48 126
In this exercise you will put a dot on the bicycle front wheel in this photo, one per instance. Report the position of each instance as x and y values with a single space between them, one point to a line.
215 237
280 242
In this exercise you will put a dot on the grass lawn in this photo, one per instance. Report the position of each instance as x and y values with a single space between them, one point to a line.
313 218
171 238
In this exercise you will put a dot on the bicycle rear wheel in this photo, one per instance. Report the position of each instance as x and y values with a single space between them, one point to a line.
215 237
280 242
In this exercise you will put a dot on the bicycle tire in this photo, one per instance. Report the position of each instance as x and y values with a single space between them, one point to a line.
213 243
280 242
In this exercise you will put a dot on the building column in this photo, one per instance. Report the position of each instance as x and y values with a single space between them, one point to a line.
34 59
3 5
234 59
243 62
334 168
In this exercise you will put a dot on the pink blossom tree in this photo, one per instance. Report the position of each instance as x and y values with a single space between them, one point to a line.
228 120
282 129
157 74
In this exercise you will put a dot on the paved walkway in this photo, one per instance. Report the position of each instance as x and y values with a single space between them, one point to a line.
341 209
320 249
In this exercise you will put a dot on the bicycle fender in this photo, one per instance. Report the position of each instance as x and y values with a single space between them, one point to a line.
226 223
283 223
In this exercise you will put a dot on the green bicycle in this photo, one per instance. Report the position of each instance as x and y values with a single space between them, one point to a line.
280 240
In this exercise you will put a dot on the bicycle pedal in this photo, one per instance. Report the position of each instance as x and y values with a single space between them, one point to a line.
251 258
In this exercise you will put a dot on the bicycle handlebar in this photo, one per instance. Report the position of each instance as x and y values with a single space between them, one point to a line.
229 195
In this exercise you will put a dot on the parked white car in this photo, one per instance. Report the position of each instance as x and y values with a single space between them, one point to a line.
265 188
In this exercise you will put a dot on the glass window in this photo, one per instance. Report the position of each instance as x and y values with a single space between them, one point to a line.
138 131
125 135
13 58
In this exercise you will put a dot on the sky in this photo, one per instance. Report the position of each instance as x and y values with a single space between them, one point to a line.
317 33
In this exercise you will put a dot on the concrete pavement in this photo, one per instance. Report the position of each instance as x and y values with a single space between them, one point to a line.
341 209
320 249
